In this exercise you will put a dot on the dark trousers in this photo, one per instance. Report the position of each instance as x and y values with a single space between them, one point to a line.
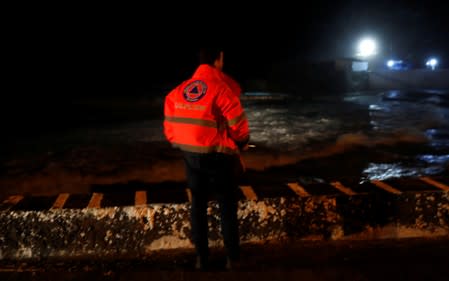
213 173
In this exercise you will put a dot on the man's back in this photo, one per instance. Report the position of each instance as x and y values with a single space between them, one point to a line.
203 115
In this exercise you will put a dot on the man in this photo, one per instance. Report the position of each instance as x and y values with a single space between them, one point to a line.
205 119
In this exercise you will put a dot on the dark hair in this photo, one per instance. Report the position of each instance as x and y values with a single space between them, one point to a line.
209 54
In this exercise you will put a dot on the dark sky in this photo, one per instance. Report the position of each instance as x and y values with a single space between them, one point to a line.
114 50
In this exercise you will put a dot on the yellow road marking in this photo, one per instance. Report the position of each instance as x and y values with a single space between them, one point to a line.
60 201
140 198
346 190
95 200
435 183
385 187
189 194
12 200
298 189
248 191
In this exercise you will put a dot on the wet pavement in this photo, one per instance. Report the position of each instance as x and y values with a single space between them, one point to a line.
404 259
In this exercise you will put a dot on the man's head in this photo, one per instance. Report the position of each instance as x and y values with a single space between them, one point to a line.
212 56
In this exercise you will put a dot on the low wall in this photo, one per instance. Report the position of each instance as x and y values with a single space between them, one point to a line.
134 231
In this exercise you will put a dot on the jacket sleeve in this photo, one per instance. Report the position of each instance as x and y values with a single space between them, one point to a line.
168 112
231 108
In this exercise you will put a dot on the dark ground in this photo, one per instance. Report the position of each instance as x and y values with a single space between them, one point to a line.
405 259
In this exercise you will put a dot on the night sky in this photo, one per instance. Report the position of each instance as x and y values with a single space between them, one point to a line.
104 50
56 54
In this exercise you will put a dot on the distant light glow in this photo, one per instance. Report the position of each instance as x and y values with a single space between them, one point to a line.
367 47
390 63
396 64
432 63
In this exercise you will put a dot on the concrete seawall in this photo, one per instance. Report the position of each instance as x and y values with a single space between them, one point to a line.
133 231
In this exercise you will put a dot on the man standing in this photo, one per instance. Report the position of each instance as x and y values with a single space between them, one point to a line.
205 119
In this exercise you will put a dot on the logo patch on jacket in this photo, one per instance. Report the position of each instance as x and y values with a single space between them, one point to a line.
195 91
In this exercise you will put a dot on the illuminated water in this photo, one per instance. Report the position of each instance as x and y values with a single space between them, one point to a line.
410 128
388 134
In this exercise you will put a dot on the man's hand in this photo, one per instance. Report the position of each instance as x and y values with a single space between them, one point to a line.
243 145
248 146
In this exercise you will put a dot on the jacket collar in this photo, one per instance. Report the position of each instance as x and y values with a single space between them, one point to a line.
207 71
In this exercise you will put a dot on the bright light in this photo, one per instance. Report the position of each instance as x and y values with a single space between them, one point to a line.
396 64
432 63
367 47
390 63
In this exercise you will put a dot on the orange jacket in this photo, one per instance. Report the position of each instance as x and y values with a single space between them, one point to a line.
204 115
235 87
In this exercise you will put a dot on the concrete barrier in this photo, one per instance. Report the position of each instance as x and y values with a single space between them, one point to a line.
133 231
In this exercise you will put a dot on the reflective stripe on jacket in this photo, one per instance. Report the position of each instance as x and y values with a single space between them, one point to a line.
203 114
